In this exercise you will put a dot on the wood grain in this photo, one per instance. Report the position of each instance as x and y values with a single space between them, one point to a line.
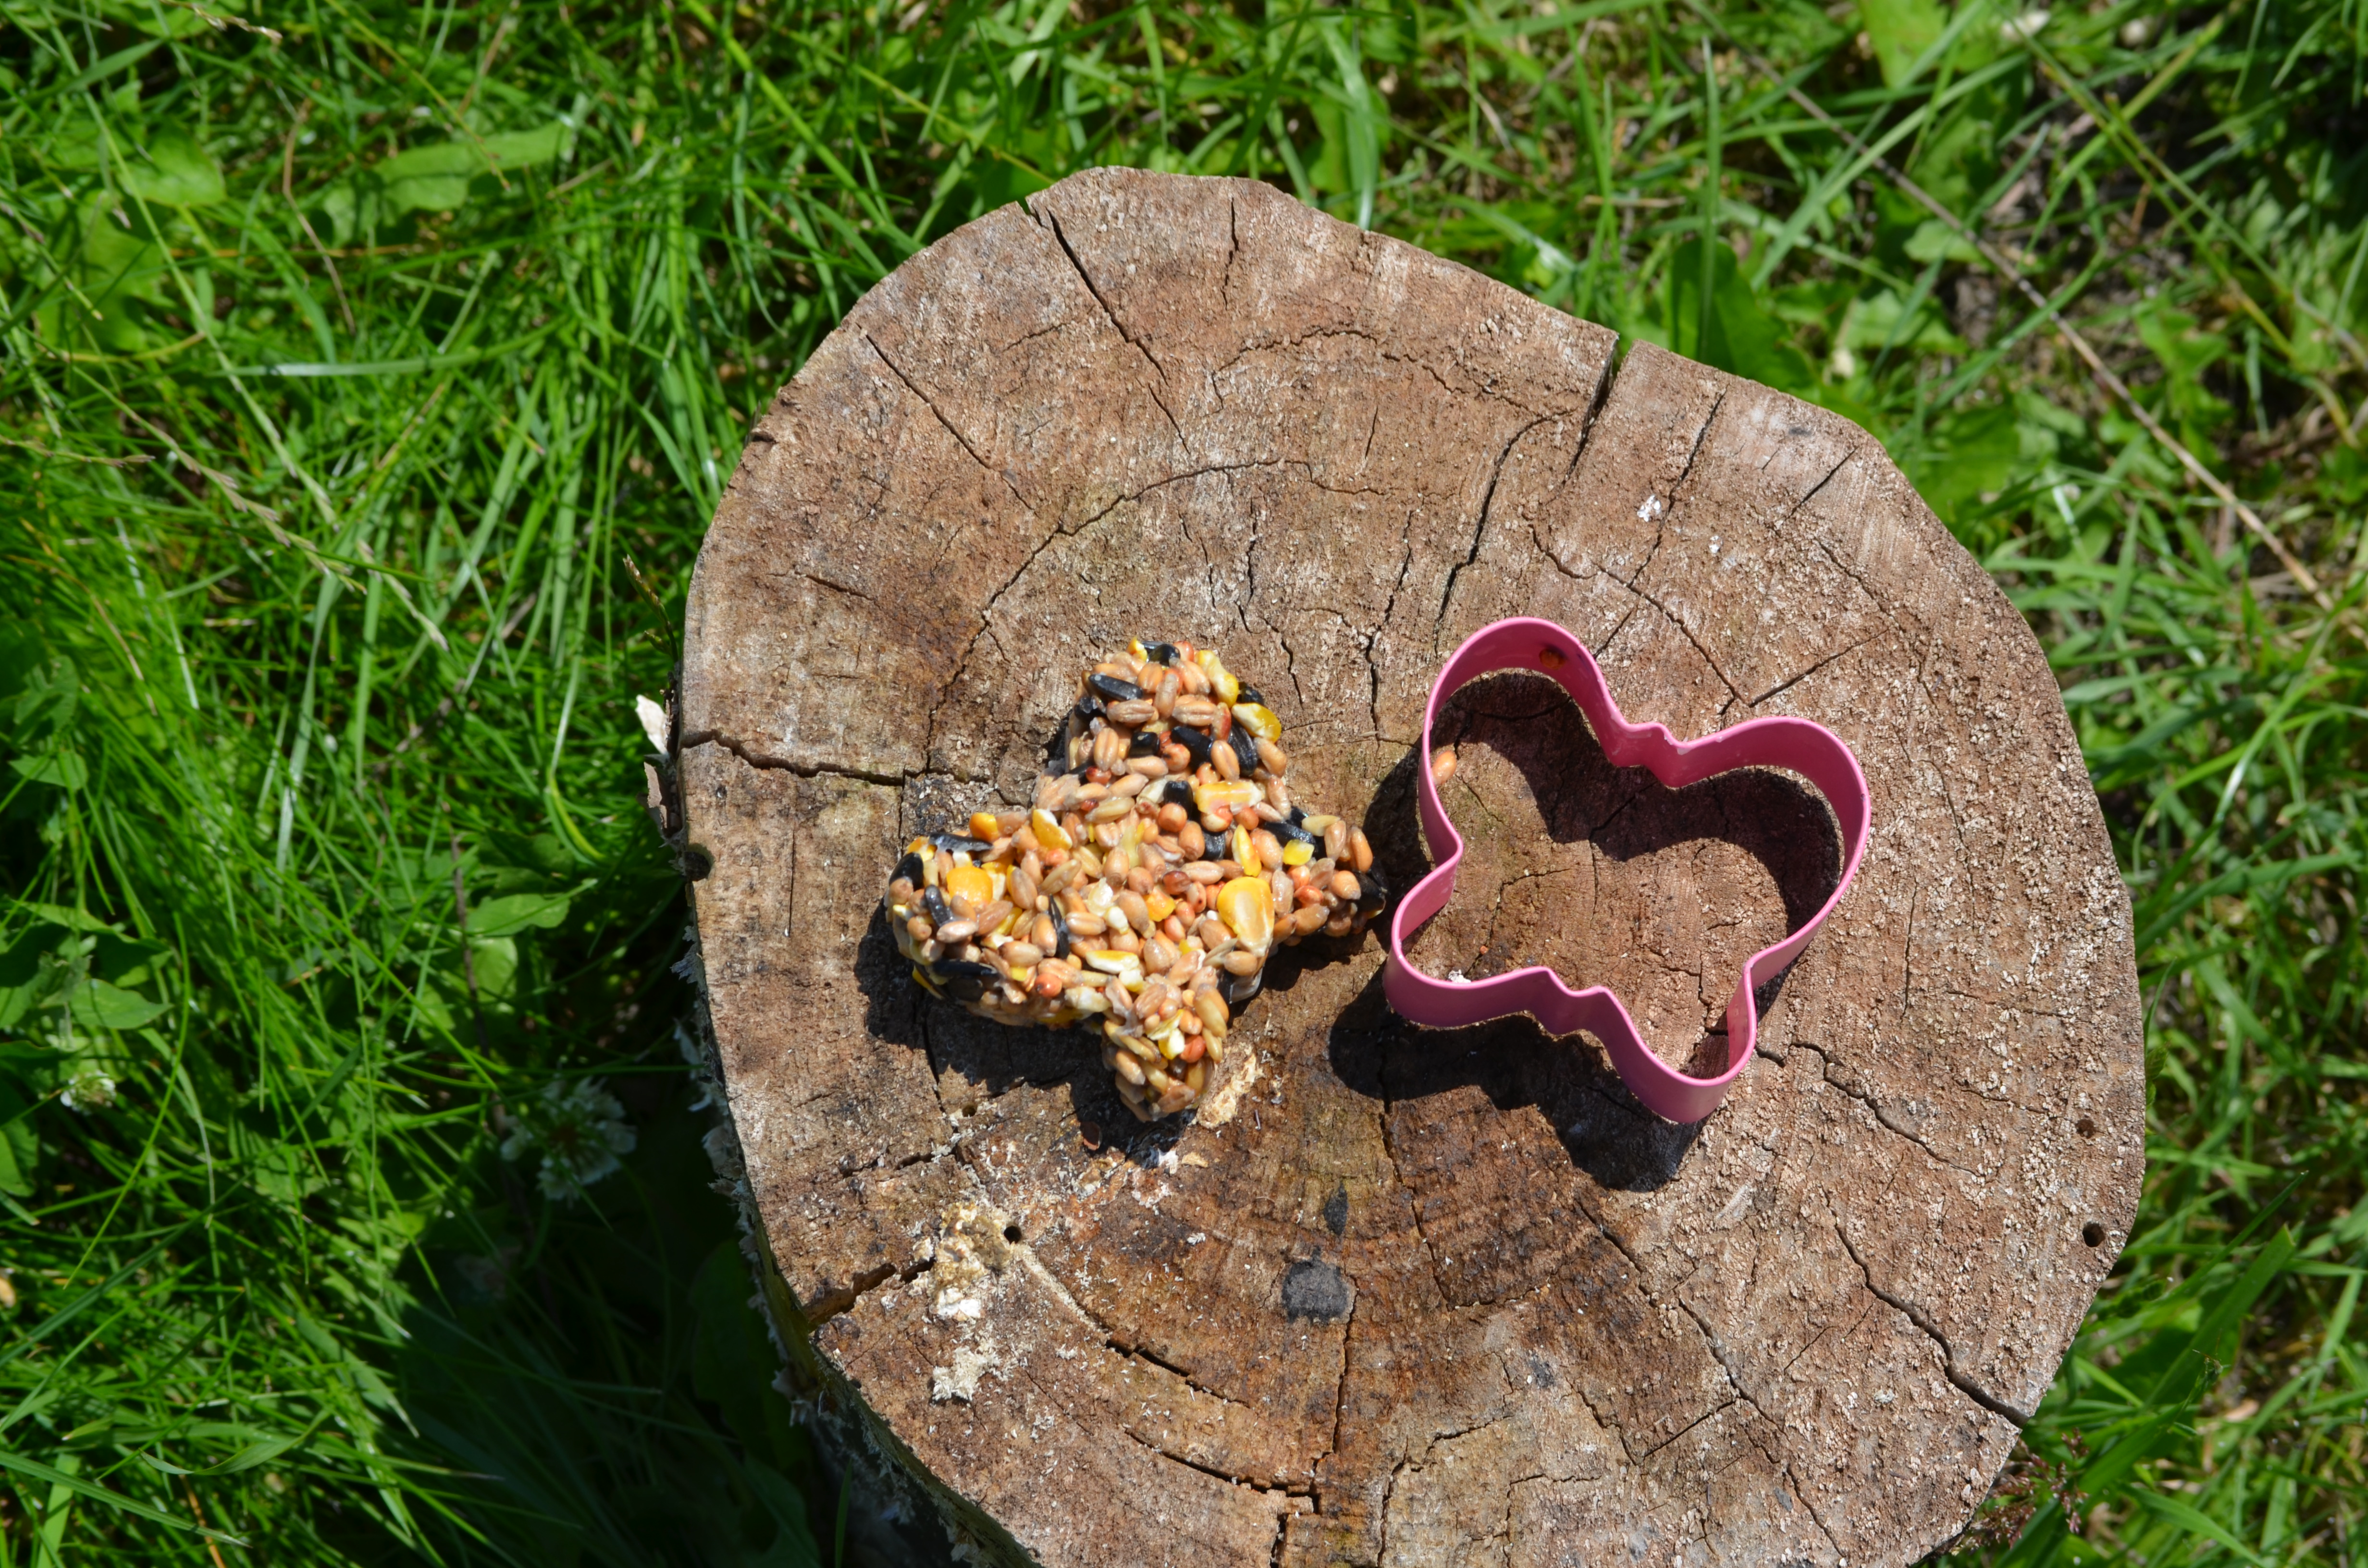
1397 1296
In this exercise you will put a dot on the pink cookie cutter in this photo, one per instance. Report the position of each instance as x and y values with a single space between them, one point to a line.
1808 749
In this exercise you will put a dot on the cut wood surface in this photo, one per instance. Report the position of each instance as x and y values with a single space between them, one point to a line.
1397 1295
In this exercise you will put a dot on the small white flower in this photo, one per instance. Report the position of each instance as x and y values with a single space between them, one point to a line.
91 1090
581 1129
656 725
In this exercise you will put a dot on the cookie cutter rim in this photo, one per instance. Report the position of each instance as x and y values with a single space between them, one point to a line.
1798 745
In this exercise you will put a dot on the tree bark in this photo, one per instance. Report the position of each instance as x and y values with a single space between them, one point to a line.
1397 1295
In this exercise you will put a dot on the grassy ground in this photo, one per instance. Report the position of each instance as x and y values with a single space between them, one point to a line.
349 352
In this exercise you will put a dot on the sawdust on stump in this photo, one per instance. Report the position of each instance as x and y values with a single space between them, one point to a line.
1397 1295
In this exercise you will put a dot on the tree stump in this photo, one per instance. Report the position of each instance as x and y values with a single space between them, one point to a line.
1394 1295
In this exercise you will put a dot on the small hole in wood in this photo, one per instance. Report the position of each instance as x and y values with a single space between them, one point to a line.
1012 1233
2093 1234
696 864
2085 1126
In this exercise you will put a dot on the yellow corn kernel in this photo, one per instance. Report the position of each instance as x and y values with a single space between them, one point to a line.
973 882
1159 904
1247 906
1246 853
1233 797
1228 690
982 823
1298 852
1255 717
1048 832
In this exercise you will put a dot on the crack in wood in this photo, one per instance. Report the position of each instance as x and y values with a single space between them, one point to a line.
1874 1105
835 1303
1595 408
1057 533
1213 1471
1695 642
1612 1421
1139 1353
755 758
1051 220
1792 509
1915 1314
1715 1410
1480 525
1667 505
1789 682
950 428
1233 247
1372 667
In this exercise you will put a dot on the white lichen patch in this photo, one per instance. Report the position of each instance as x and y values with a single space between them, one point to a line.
960 1380
1220 1106
969 1255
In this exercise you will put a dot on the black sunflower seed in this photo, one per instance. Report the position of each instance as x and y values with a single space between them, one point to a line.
1145 743
1161 653
1113 688
965 981
1245 746
909 867
1292 830
940 912
960 844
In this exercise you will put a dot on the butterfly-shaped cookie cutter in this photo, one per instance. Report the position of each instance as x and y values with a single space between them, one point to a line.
1798 745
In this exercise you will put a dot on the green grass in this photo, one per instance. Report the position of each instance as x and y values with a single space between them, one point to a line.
348 350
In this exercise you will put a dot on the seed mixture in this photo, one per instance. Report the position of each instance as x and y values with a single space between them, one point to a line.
1145 892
